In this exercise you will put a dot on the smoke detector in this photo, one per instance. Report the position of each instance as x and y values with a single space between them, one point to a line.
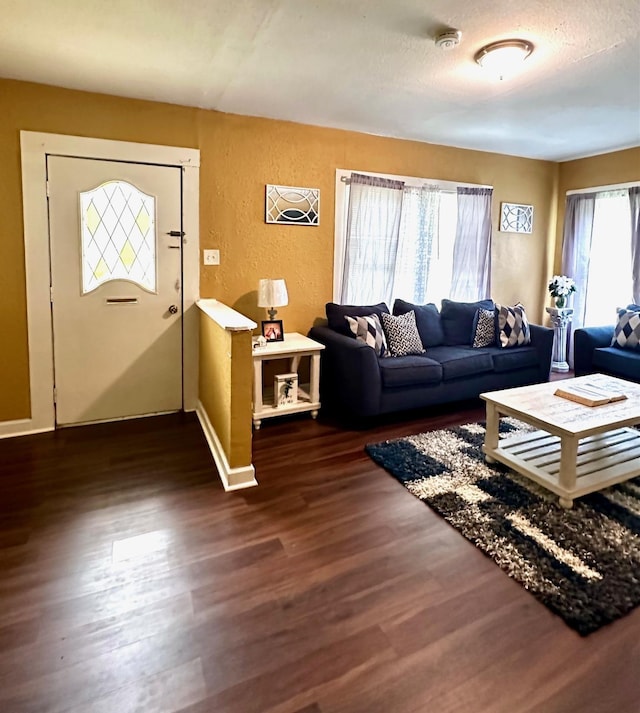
448 40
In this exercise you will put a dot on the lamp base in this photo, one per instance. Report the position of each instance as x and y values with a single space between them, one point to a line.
272 313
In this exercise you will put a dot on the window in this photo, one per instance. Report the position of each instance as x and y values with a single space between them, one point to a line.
410 238
601 251
427 234
609 276
118 236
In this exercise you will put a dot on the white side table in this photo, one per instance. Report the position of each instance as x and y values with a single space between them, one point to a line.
560 319
294 347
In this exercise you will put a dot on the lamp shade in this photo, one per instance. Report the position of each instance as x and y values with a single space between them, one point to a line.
272 293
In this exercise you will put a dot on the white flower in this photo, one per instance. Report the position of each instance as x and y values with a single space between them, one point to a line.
561 286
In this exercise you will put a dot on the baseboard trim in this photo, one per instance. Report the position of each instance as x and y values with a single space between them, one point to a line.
232 478
21 427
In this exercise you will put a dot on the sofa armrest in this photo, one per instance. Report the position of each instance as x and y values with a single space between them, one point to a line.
542 340
585 340
350 373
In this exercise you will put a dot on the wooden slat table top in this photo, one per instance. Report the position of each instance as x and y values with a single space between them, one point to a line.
538 405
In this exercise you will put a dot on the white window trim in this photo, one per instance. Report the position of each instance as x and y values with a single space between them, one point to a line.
604 189
35 146
342 205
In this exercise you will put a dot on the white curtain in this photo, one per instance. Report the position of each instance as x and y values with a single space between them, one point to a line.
634 201
576 249
610 256
371 247
419 242
471 278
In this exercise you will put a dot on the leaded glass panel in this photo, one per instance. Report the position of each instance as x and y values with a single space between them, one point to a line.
118 236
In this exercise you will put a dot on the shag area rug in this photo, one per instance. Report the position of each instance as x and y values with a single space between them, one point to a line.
584 563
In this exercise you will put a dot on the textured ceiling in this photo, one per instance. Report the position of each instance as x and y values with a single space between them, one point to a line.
366 65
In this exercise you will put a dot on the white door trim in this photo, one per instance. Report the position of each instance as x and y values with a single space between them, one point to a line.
34 148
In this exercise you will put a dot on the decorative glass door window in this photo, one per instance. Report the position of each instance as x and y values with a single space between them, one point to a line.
118 236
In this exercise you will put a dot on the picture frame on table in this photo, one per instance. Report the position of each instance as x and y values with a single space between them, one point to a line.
272 330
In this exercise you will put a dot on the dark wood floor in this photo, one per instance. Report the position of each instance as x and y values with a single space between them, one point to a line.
130 581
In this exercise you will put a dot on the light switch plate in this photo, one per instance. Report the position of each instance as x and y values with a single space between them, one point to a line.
211 257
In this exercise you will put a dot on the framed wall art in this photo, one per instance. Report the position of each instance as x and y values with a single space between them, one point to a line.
288 205
516 218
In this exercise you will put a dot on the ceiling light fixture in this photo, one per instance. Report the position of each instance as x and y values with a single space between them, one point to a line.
505 57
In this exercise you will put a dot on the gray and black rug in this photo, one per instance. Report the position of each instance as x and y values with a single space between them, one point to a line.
584 563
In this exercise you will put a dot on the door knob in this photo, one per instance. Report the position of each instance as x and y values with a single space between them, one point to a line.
173 309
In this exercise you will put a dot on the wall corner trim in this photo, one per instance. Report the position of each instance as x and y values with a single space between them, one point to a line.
232 478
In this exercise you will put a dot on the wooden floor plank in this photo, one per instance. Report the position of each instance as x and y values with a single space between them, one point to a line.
129 580
165 692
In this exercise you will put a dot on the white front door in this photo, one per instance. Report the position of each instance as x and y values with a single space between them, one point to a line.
116 288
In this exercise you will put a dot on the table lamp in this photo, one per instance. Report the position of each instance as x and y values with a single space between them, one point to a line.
272 294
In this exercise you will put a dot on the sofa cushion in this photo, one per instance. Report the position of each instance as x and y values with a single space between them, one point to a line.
513 359
457 319
461 361
402 334
624 363
513 327
410 371
627 331
483 332
369 330
427 319
336 315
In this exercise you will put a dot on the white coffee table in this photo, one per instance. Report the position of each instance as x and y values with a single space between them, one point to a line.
577 449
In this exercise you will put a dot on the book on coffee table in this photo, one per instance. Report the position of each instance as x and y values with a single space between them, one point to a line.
589 394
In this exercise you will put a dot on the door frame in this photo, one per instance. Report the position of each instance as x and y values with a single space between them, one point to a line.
35 146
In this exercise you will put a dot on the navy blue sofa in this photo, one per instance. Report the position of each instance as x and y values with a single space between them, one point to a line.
593 353
357 383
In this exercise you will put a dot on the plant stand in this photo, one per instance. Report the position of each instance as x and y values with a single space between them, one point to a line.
560 319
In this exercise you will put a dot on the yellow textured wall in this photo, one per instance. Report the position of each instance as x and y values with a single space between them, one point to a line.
604 170
239 155
224 389
214 378
241 399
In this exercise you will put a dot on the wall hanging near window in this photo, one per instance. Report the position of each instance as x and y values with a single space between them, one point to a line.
516 218
292 206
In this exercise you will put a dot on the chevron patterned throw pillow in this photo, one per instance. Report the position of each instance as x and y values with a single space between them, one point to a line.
484 328
402 334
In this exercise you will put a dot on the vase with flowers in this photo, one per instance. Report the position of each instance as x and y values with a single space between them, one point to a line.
560 287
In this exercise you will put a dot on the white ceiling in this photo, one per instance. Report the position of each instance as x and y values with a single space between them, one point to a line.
365 65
